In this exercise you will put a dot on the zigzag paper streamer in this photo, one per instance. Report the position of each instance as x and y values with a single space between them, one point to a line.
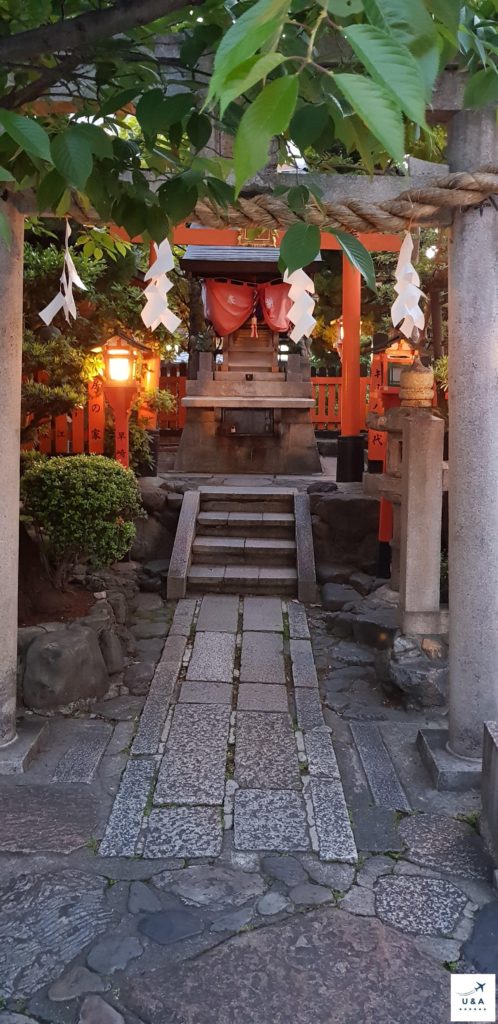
156 310
406 306
65 299
301 312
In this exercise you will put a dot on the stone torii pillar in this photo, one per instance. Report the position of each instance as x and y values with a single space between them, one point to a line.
473 455
11 281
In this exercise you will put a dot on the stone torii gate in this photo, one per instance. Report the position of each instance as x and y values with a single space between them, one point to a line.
473 391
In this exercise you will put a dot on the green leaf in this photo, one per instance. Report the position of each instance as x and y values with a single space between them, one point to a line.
343 8
149 111
157 223
299 246
177 198
27 133
448 13
175 108
99 141
482 89
194 44
222 193
5 175
391 64
50 191
258 25
72 157
119 100
269 115
357 255
298 197
199 130
374 106
308 124
247 74
406 20
5 232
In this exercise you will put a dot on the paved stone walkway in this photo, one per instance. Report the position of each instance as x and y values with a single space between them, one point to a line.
232 739
256 842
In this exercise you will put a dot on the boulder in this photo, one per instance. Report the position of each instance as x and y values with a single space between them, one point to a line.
64 666
336 595
153 499
322 487
112 651
25 637
138 677
118 603
327 573
425 682
152 540
100 617
376 627
362 582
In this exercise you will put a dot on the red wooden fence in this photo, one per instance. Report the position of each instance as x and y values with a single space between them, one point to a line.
327 394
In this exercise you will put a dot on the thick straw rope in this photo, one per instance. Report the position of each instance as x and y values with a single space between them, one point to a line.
433 205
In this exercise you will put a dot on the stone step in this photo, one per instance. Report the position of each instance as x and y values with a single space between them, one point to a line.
253 524
247 499
239 375
244 550
239 579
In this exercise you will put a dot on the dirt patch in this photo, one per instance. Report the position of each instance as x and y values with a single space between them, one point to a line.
38 600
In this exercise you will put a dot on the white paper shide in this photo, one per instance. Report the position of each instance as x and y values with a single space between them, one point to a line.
64 300
156 310
303 303
405 311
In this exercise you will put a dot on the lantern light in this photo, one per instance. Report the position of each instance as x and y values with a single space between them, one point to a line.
119 361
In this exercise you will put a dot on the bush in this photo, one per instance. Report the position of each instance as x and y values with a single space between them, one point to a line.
82 508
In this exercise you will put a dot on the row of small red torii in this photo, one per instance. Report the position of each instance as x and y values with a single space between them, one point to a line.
340 402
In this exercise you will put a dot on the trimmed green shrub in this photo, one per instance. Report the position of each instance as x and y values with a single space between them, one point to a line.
82 508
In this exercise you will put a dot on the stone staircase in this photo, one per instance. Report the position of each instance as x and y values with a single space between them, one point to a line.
244 540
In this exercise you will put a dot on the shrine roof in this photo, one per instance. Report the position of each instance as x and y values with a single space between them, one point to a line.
227 261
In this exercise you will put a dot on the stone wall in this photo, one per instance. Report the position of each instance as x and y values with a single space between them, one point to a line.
345 530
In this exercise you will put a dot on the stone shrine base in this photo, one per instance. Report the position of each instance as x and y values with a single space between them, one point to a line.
290 449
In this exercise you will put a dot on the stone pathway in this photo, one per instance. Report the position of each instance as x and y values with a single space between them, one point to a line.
256 842
232 739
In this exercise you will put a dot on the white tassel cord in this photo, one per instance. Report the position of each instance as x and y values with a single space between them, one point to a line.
64 300
156 310
301 311
405 311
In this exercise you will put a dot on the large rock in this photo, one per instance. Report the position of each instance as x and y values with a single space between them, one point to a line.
335 596
152 540
153 497
425 682
64 666
346 527
112 651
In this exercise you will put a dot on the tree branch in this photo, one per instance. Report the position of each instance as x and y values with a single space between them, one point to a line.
50 76
87 29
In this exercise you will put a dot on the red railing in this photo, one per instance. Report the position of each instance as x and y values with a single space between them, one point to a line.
326 414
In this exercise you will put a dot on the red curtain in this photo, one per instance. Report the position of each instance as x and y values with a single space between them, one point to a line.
275 304
228 305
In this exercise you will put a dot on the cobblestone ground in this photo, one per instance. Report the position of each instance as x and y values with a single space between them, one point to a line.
256 842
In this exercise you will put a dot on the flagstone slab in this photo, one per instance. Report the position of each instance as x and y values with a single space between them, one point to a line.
45 921
183 617
335 836
262 658
316 968
263 614
308 709
303 664
424 906
193 767
262 697
270 820
123 827
212 657
81 760
219 613
382 778
205 693
265 751
298 621
184 832
62 824
158 701
322 761
440 842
